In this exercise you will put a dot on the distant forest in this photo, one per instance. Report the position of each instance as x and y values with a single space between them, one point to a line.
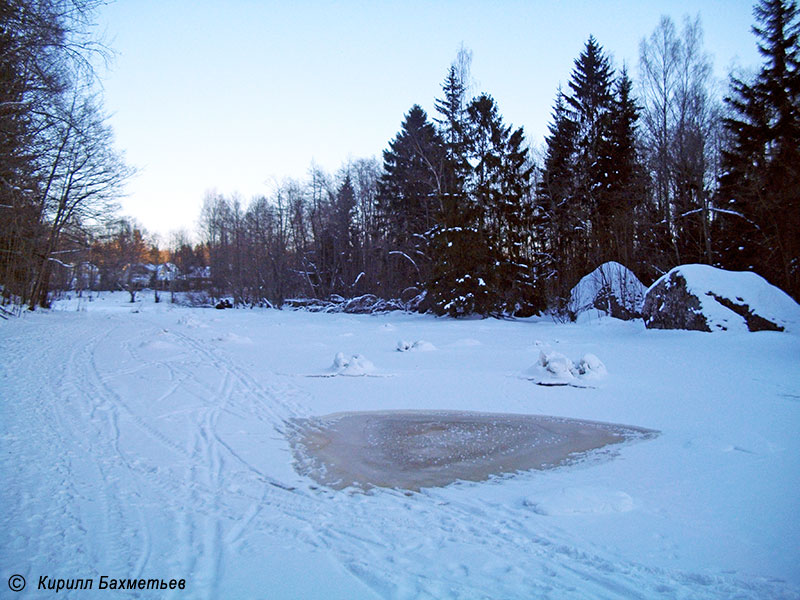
461 216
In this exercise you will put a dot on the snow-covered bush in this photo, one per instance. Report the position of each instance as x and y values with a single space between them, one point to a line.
199 298
611 289
360 305
704 298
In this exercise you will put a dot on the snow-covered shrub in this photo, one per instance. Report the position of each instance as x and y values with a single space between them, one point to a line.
360 305
704 298
611 289
313 305
198 298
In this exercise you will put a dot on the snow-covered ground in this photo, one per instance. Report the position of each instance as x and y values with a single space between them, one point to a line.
148 441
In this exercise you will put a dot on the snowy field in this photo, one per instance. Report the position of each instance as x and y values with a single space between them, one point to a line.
148 441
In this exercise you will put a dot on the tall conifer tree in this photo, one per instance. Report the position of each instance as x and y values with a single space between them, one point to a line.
761 169
409 199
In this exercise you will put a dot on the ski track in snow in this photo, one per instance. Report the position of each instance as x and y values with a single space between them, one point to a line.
111 485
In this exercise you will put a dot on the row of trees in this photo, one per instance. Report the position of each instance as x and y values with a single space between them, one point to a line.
449 213
310 238
650 173
59 172
672 175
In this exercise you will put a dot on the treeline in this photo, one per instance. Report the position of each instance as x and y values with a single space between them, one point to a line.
460 216
310 238
652 174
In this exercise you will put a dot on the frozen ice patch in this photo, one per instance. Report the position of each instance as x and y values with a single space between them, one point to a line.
583 500
417 449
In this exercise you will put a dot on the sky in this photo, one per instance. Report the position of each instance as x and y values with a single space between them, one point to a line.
233 96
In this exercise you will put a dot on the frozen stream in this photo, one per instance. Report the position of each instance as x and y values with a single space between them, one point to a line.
152 441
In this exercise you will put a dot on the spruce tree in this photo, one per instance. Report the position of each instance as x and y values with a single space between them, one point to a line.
480 245
409 199
502 190
760 185
453 125
576 174
557 203
591 103
454 243
623 189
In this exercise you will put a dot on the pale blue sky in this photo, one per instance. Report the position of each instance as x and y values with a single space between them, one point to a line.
233 95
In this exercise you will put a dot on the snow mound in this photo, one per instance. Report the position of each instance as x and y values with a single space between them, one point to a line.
554 368
354 366
158 345
418 346
585 500
611 289
704 298
191 322
232 338
466 343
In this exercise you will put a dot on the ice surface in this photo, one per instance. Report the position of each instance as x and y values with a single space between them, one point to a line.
416 449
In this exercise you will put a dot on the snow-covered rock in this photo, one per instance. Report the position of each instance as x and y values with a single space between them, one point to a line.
554 368
611 289
418 346
704 298
354 366
590 366
557 365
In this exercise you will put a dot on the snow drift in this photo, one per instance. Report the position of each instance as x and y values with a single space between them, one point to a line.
704 298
